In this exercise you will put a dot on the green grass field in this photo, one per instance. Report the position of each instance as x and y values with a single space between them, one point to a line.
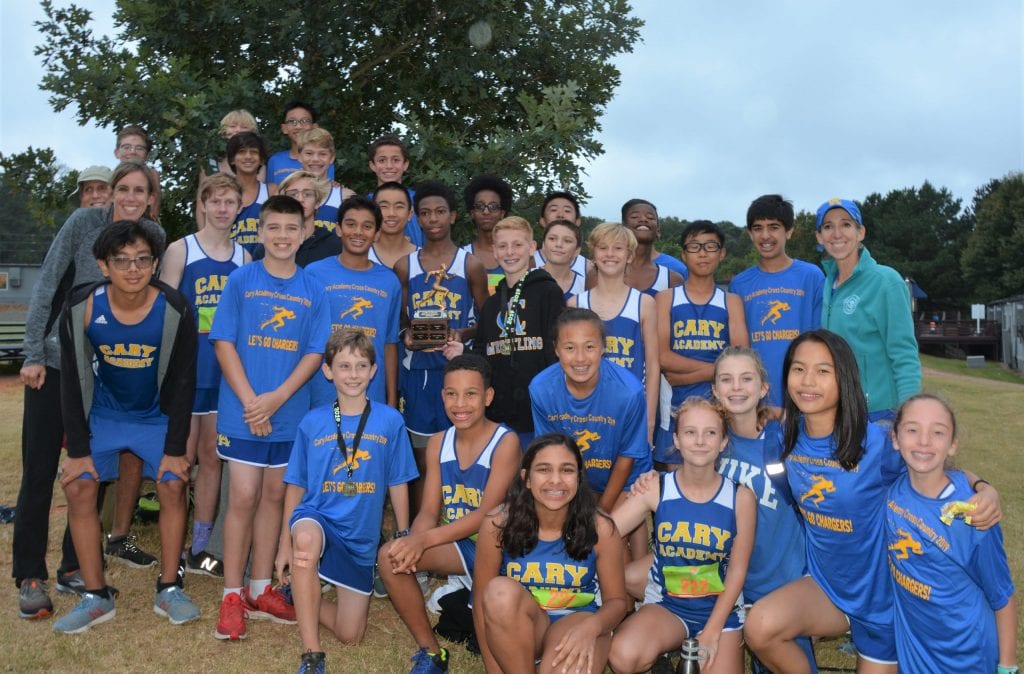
990 414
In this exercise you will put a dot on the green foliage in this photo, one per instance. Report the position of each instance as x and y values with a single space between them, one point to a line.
993 260
921 233
803 245
34 189
524 105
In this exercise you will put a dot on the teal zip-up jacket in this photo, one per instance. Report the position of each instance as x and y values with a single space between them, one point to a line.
871 311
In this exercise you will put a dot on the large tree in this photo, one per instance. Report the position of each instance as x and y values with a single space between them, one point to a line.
993 261
34 191
513 87
921 233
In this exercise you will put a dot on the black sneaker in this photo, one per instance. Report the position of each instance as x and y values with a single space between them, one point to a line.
70 583
125 550
313 663
204 563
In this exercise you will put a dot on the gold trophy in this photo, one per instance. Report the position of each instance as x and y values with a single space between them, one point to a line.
429 325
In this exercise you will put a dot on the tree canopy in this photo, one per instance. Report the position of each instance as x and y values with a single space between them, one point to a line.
511 87
34 190
993 261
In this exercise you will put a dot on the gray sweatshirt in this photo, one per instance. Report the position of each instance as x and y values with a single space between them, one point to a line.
68 263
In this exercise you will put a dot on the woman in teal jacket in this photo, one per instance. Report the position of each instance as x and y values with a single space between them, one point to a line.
869 305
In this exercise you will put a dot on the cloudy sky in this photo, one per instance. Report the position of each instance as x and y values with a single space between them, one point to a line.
722 102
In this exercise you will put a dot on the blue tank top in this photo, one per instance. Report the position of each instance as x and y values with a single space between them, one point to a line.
455 297
624 340
692 543
126 360
463 488
244 231
660 281
698 331
326 216
202 281
494 274
558 583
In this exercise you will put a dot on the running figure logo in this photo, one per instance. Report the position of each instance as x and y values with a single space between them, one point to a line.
775 309
277 320
905 545
818 490
584 438
356 310
360 455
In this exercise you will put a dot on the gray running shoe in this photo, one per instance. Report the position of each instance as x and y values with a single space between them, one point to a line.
125 550
175 605
92 610
34 600
70 583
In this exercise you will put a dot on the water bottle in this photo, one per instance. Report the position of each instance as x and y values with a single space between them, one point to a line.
692 655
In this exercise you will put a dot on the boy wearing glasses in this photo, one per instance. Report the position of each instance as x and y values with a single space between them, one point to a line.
488 200
128 352
696 321
781 296
298 117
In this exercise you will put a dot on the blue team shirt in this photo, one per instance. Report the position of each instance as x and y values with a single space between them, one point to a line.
624 340
697 331
245 230
692 544
384 459
558 583
844 520
456 299
273 323
779 306
202 281
609 423
126 361
948 582
778 554
462 489
370 300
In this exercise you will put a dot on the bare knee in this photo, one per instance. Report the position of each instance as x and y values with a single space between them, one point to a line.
759 629
306 540
81 493
501 600
350 635
626 656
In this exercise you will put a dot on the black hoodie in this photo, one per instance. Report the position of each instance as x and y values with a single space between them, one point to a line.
528 348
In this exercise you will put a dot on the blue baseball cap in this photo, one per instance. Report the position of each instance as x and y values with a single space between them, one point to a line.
844 204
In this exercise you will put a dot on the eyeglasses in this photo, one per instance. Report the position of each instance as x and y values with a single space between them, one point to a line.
142 262
697 246
128 147
303 194
486 208
305 121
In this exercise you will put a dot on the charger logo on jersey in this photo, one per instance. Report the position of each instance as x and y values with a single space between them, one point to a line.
355 458
821 486
128 356
459 500
902 548
774 313
695 334
359 305
584 438
277 320
619 350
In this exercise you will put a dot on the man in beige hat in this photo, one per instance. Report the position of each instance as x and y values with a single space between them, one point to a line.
93 187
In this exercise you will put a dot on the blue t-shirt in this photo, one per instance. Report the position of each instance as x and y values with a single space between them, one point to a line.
384 459
948 582
697 331
281 165
370 300
624 339
455 297
778 554
609 423
245 231
126 361
462 489
273 323
692 544
844 520
202 281
674 264
558 583
779 306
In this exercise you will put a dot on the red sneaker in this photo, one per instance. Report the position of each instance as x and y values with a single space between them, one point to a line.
271 605
231 622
